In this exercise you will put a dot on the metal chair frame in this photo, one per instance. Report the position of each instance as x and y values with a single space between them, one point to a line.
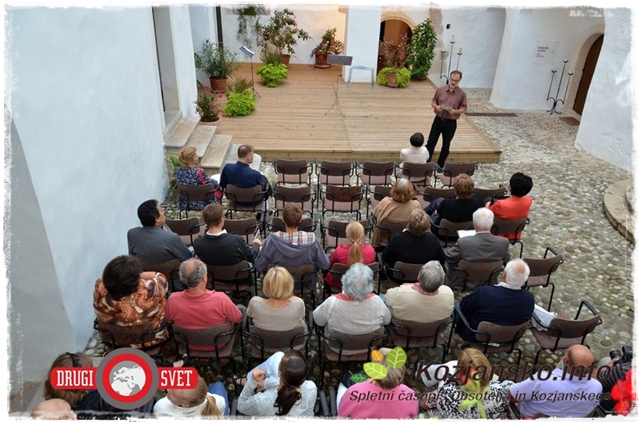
541 268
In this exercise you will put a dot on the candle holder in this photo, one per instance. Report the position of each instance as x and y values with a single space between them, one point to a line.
442 52
557 100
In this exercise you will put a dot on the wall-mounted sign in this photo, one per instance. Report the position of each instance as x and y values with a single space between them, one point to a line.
545 52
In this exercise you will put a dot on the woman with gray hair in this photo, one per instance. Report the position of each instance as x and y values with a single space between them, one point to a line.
356 310
415 245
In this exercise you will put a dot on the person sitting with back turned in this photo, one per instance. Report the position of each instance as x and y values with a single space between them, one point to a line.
518 204
292 247
481 247
460 209
428 300
417 153
396 208
240 174
190 175
154 242
352 252
503 304
219 248
196 307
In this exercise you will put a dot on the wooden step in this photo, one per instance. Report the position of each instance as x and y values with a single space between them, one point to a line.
180 134
214 158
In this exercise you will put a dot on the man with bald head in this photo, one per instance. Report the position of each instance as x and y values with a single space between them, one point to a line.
504 304
569 392
196 307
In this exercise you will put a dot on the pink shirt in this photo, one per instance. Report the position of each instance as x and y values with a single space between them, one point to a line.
367 400
341 256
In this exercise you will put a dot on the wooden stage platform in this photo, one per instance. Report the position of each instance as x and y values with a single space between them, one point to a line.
296 119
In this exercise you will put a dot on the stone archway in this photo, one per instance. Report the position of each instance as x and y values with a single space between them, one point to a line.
392 26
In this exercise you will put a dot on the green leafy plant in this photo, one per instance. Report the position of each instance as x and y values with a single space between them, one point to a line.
217 62
420 52
272 73
270 55
240 103
282 32
238 85
249 24
402 76
207 107
174 161
328 44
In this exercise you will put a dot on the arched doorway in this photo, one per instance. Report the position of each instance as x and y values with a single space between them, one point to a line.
587 75
392 30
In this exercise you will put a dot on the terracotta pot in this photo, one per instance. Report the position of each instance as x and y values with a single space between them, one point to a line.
286 58
391 80
216 122
321 61
218 85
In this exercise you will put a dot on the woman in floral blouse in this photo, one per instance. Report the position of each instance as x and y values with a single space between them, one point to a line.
190 175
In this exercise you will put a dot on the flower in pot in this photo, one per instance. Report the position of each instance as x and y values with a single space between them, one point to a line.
328 45
218 63
207 107
420 52
272 69
394 74
282 33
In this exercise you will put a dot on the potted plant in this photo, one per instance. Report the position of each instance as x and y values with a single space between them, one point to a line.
420 52
272 69
249 24
207 107
240 98
282 33
328 45
394 74
218 63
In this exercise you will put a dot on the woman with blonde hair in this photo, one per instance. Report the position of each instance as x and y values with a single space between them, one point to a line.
279 310
467 392
198 402
353 252
190 175
396 208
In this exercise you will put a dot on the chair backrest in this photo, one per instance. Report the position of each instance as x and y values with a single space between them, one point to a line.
379 193
419 329
277 224
388 228
337 271
204 192
299 195
431 193
404 271
541 270
335 173
450 229
567 328
292 171
377 173
137 336
243 227
510 227
301 273
239 273
483 272
501 334
420 174
205 337
453 169
274 341
483 193
244 195
162 267
355 342
184 227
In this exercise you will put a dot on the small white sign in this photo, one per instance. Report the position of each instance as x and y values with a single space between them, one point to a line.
545 52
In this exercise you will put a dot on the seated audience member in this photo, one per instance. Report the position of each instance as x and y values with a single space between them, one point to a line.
425 301
200 402
504 304
126 296
417 153
481 247
217 247
279 387
385 398
190 175
460 209
352 252
570 379
240 174
280 310
396 208
518 204
356 310
196 307
53 409
292 247
482 397
86 404
154 242
414 245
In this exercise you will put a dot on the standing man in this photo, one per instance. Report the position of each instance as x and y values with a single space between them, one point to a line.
448 103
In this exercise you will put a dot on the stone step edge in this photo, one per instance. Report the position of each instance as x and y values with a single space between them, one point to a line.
617 211
214 158
182 132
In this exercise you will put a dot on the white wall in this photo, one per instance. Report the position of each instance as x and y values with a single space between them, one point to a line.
184 62
202 28
85 99
520 82
606 127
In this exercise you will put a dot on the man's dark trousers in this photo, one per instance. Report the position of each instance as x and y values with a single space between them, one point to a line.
446 127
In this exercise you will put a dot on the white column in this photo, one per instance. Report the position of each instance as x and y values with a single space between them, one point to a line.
361 40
